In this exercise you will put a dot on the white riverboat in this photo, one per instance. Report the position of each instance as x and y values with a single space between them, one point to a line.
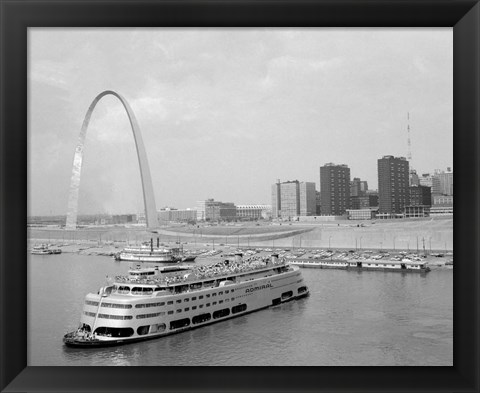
152 302
365 264
45 249
148 254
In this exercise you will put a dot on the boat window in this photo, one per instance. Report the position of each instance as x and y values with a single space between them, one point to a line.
221 313
121 317
194 307
239 308
186 299
233 290
200 297
214 303
123 289
233 299
194 298
179 310
116 305
142 330
206 305
170 302
214 294
286 295
89 314
187 309
208 295
143 316
180 323
200 306
91 303
227 291
220 293
179 300
227 300
201 318
220 302
114 332
170 312
158 327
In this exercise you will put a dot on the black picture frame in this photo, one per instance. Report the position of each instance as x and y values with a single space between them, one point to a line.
17 16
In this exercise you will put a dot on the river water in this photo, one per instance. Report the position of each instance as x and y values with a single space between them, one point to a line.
350 319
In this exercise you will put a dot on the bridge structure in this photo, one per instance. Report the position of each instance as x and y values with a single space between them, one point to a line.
147 187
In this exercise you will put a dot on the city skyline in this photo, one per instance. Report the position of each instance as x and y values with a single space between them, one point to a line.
224 113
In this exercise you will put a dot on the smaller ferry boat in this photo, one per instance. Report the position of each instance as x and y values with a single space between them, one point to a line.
45 249
366 264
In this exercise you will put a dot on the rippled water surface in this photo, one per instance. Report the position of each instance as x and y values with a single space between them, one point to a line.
351 318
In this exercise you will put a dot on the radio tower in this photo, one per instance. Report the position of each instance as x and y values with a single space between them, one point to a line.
409 154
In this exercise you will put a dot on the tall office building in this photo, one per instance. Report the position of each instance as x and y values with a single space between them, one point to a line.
431 181
292 199
358 187
445 180
393 183
307 199
276 201
335 189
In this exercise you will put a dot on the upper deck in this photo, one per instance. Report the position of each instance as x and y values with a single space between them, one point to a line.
198 277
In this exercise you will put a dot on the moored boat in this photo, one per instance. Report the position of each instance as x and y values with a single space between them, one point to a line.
154 302
366 264
149 253
45 249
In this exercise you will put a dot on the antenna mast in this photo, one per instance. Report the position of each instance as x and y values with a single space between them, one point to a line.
409 144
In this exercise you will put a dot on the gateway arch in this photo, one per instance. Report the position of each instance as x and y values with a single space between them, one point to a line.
148 196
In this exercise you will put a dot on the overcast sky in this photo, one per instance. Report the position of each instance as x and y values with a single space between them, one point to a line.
225 112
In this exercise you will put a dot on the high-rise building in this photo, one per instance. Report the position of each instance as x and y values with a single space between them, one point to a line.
393 183
431 181
290 198
276 200
307 199
335 189
318 203
358 187
414 179
445 180
293 198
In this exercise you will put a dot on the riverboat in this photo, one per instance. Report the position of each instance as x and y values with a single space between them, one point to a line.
154 302
45 249
365 264
149 254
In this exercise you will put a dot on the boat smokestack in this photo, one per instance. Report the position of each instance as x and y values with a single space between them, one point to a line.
238 257
274 258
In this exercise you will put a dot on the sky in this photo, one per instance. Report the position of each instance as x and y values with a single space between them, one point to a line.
224 113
